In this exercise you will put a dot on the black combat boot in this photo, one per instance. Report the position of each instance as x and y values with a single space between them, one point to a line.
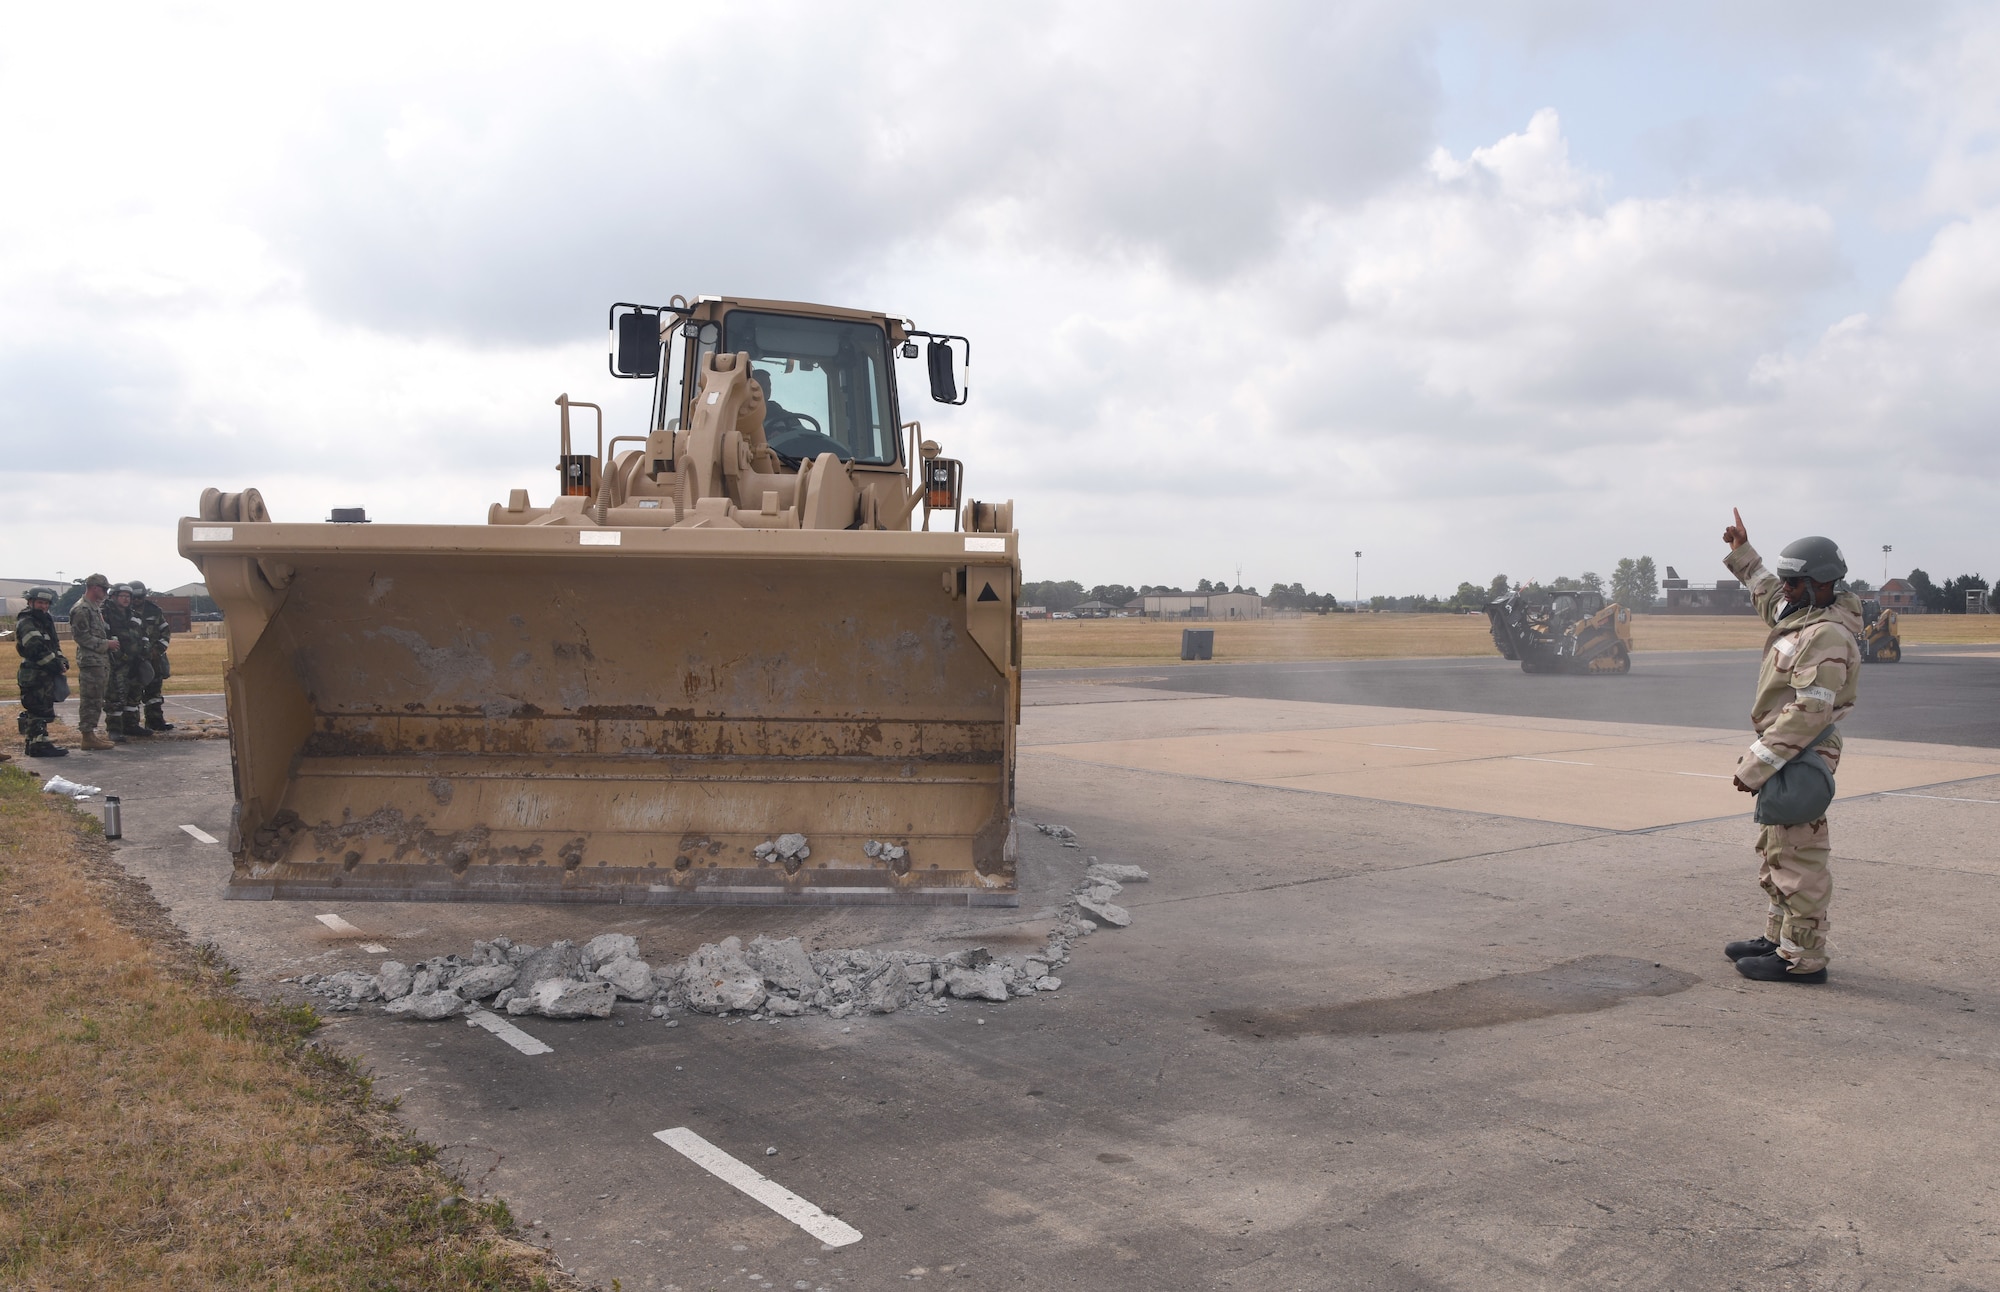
46 748
134 727
1750 947
1776 969
156 718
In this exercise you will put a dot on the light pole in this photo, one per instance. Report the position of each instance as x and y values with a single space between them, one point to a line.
1357 581
1886 549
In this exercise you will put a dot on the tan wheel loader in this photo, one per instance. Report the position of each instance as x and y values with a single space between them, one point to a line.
721 664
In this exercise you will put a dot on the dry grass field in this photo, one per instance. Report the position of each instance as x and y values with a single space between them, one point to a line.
1105 643
158 1130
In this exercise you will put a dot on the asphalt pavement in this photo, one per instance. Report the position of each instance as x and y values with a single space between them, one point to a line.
1939 694
1354 1040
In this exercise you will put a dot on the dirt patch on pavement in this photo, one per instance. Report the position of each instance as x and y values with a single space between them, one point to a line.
1572 987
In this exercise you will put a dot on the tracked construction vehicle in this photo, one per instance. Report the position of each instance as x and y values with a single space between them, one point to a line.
761 652
1562 632
1880 641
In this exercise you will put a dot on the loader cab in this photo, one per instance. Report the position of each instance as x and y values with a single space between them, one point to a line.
829 384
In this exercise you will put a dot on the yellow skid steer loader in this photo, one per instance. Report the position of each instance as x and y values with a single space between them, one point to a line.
720 664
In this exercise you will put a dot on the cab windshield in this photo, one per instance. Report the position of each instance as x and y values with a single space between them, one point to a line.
826 384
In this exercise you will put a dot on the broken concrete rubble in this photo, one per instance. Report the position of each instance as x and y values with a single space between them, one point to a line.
774 978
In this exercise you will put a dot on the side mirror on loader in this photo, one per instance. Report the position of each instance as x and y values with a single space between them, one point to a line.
638 345
944 384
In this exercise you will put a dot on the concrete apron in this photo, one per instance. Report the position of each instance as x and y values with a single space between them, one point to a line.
1396 1011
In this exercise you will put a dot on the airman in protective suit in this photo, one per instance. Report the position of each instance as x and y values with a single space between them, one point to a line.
1808 682
156 634
41 673
129 666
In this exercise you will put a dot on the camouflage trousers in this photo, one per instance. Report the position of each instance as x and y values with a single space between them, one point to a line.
38 703
124 691
92 677
1797 878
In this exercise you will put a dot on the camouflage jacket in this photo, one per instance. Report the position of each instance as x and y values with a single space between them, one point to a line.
153 624
87 630
123 623
1810 674
35 638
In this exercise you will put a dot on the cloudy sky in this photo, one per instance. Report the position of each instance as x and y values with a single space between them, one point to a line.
1472 288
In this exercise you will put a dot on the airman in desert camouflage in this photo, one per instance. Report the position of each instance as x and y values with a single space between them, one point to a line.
1808 681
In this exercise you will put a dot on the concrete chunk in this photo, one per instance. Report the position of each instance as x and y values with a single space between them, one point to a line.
481 981
784 965
632 979
429 1007
1105 912
563 998
606 947
989 983
717 979
1118 874
393 980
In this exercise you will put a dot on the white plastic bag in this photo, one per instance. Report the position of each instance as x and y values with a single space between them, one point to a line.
64 785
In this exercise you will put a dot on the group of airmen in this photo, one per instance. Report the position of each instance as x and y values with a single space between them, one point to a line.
121 638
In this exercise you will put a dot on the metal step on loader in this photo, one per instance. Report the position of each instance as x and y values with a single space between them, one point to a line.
721 664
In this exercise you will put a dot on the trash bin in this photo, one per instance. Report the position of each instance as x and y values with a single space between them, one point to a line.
1197 643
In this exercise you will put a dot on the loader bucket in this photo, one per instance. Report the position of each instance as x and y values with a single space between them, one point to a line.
552 713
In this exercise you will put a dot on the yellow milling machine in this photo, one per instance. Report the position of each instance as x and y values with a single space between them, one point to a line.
718 636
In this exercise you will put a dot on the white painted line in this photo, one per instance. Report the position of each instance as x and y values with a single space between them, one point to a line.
832 1232
375 948
337 924
1941 798
1566 762
200 835
1376 744
1707 776
507 1032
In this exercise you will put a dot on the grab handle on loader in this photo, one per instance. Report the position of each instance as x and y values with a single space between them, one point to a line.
579 472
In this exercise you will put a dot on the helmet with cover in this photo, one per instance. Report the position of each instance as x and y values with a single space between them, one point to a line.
1814 558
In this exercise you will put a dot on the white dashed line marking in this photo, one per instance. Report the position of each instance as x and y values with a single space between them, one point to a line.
1939 798
337 924
507 1032
1566 762
200 835
832 1232
1376 744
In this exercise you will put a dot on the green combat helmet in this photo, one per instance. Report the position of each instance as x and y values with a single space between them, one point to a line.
40 594
1815 558
139 589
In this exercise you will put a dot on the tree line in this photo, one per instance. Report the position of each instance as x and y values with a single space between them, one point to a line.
1634 583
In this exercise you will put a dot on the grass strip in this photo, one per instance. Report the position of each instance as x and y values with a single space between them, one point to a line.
1145 643
158 1130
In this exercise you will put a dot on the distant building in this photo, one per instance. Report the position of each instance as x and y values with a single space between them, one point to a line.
1204 605
1900 596
1095 610
1032 612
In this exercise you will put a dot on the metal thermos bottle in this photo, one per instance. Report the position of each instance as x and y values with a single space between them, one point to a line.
113 825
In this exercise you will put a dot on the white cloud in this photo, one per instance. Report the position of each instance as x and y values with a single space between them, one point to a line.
1229 299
